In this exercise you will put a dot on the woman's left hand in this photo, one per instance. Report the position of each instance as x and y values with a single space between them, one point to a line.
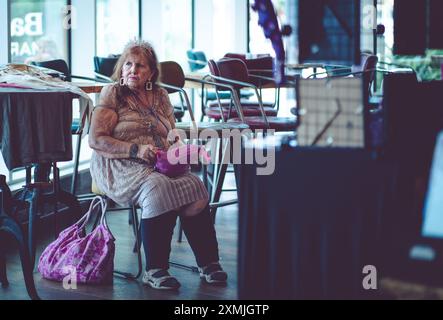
148 153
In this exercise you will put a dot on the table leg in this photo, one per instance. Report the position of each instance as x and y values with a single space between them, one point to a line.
219 178
32 214
3 276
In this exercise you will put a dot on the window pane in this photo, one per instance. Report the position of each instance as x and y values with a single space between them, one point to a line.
386 17
367 24
37 30
257 41
224 27
176 29
117 23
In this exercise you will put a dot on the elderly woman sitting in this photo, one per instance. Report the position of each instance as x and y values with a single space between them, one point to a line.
129 125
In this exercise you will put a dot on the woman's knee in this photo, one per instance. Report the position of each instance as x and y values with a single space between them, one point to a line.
194 208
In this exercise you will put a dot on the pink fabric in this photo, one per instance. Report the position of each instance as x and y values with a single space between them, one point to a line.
180 157
13 86
91 255
214 112
276 123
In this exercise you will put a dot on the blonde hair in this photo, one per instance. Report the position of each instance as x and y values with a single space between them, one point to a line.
140 47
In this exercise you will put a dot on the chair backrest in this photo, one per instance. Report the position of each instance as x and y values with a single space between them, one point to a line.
105 66
240 56
171 73
213 68
197 60
261 62
57 65
262 65
234 69
369 63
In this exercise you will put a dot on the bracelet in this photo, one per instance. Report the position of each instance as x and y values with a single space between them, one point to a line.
133 151
176 139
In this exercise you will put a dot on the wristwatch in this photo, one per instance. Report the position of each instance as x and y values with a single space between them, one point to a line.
133 151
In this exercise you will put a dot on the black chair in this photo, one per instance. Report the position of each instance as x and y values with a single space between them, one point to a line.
76 128
104 67
10 227
60 66
173 80
197 62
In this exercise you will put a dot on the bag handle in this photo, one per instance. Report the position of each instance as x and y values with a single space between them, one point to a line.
97 201
103 220
94 203
202 153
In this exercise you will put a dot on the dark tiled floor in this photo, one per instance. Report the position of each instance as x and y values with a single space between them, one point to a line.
192 287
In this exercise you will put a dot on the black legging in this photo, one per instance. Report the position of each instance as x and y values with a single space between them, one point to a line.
157 235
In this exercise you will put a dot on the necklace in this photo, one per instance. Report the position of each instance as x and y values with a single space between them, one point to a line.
143 110
140 104
149 110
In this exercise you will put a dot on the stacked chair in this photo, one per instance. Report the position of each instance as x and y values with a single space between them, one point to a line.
197 63
234 72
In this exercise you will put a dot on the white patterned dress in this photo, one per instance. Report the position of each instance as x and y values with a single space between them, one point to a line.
128 181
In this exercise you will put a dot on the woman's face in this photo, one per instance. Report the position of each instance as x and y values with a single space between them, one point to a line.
136 71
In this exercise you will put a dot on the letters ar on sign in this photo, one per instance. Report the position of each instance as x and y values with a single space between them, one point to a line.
31 25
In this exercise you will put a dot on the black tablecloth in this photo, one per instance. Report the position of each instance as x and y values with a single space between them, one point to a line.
35 126
308 230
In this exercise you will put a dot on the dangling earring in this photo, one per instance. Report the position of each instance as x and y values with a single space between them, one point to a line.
122 81
148 86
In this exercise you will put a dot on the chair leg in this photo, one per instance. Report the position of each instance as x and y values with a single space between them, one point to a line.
218 189
219 178
180 232
137 234
3 276
32 216
11 227
136 229
130 220
27 268
76 164
137 244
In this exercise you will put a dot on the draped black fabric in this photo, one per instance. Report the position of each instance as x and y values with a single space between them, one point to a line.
308 230
414 117
35 126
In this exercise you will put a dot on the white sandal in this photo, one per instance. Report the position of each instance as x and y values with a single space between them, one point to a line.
160 279
213 273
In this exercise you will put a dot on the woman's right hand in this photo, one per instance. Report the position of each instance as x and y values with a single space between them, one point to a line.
147 153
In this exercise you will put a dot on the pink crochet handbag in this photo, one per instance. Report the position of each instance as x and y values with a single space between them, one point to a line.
89 257
181 157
